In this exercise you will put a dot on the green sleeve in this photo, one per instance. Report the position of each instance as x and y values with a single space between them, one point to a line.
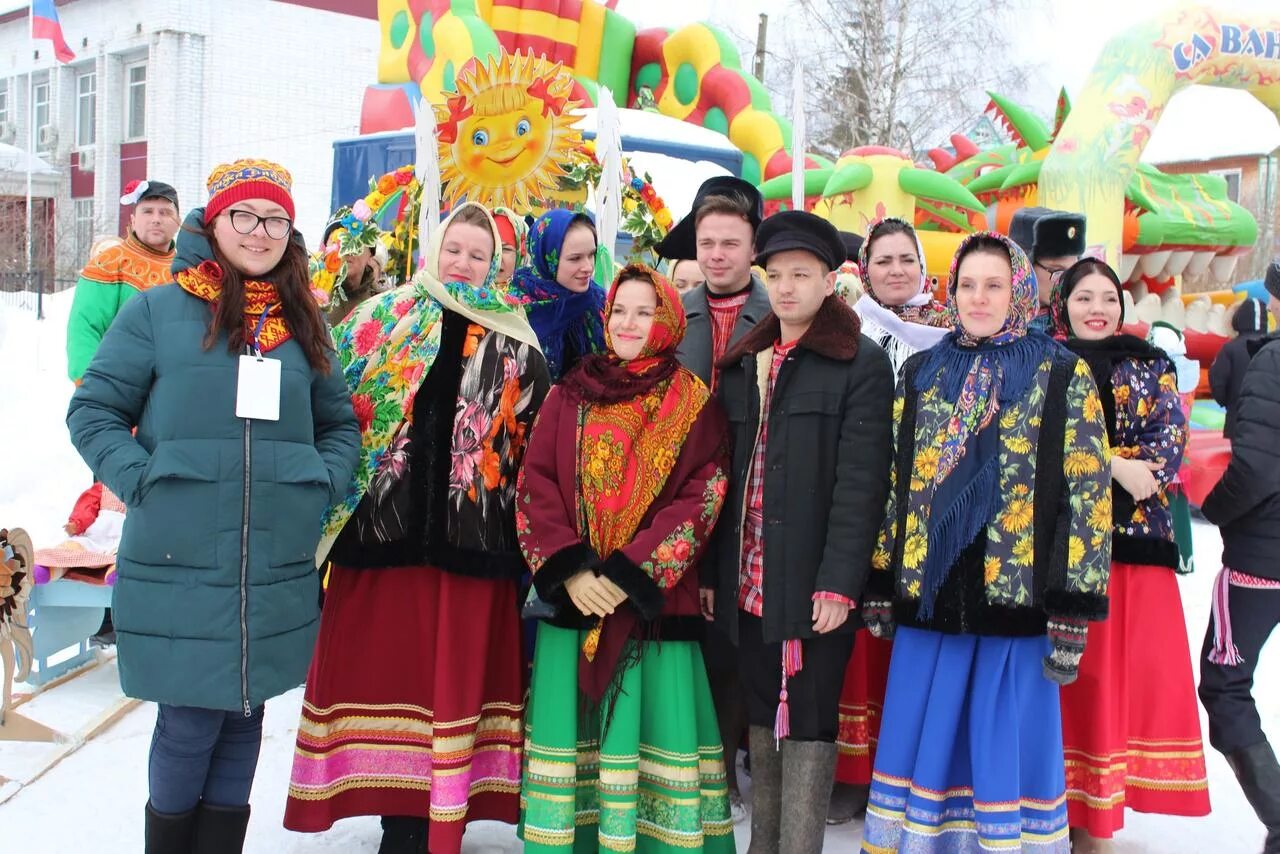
94 307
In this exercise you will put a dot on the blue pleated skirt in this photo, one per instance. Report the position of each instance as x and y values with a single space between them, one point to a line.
970 754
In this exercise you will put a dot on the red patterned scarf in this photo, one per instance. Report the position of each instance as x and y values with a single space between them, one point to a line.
633 419
205 281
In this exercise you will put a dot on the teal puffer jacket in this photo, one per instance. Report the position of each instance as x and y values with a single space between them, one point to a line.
215 604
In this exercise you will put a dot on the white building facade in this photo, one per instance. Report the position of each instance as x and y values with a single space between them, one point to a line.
167 89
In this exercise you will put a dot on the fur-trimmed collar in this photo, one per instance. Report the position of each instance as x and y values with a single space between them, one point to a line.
833 334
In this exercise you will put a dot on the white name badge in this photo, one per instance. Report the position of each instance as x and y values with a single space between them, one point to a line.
258 389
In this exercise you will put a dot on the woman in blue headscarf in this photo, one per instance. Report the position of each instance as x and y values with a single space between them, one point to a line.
565 306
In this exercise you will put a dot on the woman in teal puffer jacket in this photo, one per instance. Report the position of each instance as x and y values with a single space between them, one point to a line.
216 603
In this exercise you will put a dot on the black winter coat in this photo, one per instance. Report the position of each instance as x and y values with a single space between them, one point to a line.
1246 502
1226 376
826 469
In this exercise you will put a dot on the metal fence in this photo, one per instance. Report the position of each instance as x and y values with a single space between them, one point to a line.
26 291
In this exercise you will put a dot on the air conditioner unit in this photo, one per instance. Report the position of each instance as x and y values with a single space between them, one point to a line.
47 137
86 159
8 132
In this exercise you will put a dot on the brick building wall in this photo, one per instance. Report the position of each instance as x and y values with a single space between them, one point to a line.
225 79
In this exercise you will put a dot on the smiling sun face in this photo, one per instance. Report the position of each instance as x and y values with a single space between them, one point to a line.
506 134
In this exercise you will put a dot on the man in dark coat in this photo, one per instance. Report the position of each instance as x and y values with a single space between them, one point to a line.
809 402
1245 505
719 233
1226 374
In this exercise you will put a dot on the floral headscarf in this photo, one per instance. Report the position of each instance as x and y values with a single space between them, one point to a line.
1059 319
557 314
921 308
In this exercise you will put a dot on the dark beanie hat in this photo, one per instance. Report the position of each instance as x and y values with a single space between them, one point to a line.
1250 316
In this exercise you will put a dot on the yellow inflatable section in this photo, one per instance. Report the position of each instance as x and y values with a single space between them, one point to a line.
1138 71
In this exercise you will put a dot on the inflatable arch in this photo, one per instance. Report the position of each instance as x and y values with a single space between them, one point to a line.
1096 153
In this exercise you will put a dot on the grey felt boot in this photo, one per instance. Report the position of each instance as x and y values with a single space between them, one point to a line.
766 791
808 770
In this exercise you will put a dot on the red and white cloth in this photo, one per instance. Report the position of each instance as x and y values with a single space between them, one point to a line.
725 311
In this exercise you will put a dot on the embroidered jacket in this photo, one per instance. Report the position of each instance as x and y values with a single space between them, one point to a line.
107 282
1047 549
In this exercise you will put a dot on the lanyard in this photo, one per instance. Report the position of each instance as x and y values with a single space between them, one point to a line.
257 332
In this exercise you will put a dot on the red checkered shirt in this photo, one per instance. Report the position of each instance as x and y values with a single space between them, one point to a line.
751 572
725 312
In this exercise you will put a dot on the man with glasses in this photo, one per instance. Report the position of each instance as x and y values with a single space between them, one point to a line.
1053 240
122 269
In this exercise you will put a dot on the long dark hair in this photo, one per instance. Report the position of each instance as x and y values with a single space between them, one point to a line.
293 282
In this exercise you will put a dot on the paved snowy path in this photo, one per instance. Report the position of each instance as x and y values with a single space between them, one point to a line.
92 801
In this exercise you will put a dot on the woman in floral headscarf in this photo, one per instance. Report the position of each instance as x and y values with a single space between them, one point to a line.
1131 726
414 701
897 309
992 539
900 315
564 304
622 485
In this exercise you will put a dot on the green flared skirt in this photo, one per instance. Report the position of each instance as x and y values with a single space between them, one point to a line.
654 783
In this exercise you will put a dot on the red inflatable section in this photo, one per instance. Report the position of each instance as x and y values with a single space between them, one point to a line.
385 108
1205 460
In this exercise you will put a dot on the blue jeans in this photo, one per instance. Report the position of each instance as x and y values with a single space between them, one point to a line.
202 754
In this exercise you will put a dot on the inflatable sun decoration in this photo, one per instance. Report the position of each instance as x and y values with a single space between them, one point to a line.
506 134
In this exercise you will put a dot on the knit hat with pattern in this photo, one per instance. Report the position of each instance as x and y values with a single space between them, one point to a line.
248 179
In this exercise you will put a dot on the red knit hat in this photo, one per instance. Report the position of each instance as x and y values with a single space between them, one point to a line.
248 179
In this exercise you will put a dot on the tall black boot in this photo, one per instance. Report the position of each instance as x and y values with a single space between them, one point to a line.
403 834
1259 776
169 833
220 830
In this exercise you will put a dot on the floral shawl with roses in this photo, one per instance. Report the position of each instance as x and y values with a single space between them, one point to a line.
625 474
387 347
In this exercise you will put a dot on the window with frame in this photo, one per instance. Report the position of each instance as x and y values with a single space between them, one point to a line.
1232 177
40 110
135 99
86 109
4 101
84 227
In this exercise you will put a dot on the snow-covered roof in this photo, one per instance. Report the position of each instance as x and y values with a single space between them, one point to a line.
643 124
1210 122
14 159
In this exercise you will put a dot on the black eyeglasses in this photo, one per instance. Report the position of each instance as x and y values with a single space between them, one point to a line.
246 222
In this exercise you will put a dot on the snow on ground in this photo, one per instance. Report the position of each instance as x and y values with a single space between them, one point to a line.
95 795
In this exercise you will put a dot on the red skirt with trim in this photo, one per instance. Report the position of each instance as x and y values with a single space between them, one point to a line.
1131 723
414 704
861 706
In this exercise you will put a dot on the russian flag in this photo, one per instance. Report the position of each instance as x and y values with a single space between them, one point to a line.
45 25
